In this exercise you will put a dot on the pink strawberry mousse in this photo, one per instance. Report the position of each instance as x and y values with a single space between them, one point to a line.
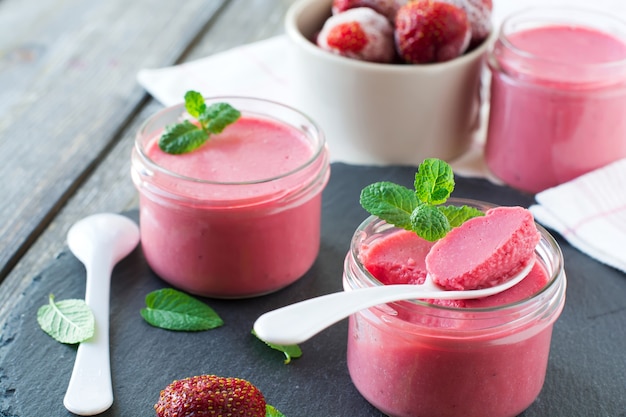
484 251
558 95
238 217
483 357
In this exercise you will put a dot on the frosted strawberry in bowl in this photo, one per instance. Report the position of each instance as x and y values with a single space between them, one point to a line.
482 357
390 81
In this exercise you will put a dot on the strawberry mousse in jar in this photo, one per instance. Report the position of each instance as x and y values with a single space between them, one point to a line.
558 96
238 216
473 358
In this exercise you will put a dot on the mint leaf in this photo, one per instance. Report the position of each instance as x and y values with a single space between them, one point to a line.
217 116
272 412
391 202
434 181
187 136
429 223
419 211
174 310
182 138
68 321
458 215
194 104
290 351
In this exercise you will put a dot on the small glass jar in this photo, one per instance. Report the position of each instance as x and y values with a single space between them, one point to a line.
232 239
417 359
558 96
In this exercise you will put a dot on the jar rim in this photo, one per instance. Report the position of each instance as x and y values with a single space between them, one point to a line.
512 59
319 149
546 237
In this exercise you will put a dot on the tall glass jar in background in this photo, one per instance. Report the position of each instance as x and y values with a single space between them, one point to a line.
558 96
241 216
417 359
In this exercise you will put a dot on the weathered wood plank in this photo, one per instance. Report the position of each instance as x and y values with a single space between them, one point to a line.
68 85
108 188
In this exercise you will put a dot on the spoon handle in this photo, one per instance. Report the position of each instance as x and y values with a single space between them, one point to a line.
298 322
90 391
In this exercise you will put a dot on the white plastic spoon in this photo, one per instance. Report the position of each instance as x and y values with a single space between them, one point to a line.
99 242
298 322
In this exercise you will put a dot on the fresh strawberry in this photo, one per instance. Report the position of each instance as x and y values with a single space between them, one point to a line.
431 31
479 16
210 395
359 33
387 8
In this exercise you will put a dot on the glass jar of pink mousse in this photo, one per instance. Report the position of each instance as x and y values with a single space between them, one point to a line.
558 96
474 358
240 216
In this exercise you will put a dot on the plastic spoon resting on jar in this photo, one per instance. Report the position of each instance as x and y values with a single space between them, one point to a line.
99 242
299 322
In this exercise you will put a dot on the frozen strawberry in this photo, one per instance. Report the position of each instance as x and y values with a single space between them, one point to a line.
431 31
387 8
359 33
210 395
479 16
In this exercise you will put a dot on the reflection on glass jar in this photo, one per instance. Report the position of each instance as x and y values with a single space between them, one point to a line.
240 216
487 358
558 96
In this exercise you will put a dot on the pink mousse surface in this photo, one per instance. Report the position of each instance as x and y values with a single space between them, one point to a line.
232 249
481 252
484 251
251 149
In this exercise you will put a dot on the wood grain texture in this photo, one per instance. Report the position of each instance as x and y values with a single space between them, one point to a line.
105 184
68 84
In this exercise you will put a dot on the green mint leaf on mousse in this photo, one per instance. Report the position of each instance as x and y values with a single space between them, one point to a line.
434 181
187 136
420 210
290 351
391 202
174 310
68 321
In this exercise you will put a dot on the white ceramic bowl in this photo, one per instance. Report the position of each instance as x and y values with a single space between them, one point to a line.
383 113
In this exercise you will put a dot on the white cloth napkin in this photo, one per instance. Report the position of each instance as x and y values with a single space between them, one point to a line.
590 213
259 69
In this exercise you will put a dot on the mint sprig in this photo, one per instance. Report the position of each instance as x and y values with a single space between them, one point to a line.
187 136
420 210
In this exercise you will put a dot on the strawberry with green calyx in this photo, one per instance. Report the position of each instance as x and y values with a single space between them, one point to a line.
212 395
420 210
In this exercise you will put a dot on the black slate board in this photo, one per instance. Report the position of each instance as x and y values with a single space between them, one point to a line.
586 373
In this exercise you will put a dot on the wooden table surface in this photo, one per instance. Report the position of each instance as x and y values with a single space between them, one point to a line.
70 105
